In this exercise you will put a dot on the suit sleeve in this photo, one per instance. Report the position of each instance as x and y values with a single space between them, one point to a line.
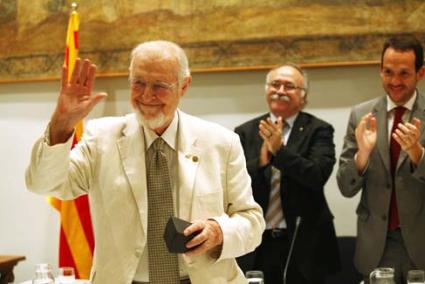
348 178
243 223
260 176
419 170
251 161
310 170
57 171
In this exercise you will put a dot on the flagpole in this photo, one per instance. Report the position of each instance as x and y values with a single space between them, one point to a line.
74 7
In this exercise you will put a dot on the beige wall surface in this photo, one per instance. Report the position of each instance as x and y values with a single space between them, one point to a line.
30 226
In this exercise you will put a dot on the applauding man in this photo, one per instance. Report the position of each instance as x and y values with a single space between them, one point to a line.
290 155
383 159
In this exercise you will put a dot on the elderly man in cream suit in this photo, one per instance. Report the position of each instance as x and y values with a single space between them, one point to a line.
209 181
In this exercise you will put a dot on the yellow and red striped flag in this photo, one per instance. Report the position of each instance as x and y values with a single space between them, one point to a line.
76 242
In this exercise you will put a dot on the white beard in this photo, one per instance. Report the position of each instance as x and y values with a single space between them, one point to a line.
150 123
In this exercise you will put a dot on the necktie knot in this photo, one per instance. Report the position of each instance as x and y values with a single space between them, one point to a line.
159 144
398 112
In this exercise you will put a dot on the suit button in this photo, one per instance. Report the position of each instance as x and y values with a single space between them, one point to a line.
384 217
353 182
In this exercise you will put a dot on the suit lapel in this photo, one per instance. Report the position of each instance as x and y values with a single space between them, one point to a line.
382 143
297 132
188 161
132 152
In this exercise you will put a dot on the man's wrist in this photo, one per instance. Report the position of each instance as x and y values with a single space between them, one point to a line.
415 153
274 151
361 159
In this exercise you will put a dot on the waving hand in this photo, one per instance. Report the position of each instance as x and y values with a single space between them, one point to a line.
75 100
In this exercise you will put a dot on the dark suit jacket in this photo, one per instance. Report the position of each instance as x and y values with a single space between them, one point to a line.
376 186
306 163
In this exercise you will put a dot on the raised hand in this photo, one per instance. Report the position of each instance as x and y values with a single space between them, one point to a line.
272 134
366 136
75 100
407 135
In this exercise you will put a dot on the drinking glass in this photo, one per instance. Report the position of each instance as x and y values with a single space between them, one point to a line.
66 275
43 274
255 277
415 277
382 275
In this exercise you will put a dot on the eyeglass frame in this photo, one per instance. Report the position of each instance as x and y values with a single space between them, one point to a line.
289 87
157 87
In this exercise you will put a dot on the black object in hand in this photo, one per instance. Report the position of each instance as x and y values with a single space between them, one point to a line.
174 237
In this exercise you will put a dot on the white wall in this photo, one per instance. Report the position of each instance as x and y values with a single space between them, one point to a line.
30 226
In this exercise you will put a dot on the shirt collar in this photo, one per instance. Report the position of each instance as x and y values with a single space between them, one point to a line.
289 121
169 135
409 104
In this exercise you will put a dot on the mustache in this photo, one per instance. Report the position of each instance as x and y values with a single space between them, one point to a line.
277 97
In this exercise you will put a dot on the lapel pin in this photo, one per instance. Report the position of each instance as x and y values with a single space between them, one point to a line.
195 159
301 128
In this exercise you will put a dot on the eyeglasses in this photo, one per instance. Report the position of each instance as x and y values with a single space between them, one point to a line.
160 88
289 87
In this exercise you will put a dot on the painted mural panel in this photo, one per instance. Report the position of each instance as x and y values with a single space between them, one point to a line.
217 34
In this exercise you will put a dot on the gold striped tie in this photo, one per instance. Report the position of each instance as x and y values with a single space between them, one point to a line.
274 213
163 266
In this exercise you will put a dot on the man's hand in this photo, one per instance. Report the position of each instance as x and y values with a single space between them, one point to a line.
264 155
272 134
407 135
366 136
75 100
209 237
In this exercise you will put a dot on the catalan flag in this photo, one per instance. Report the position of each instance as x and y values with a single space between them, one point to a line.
76 242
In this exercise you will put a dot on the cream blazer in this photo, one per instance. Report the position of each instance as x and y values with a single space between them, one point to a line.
109 165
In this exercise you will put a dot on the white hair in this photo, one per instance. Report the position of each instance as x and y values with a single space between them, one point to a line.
163 49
